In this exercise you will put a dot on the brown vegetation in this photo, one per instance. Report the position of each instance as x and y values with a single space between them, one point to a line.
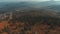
26 23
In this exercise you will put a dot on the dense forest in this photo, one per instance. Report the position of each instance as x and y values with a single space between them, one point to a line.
30 23
30 17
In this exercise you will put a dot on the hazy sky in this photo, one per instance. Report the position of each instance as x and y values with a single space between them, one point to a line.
24 0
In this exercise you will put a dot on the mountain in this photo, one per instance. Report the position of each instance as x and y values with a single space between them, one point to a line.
54 7
19 6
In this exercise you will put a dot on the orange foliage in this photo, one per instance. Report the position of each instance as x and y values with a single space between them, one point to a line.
3 24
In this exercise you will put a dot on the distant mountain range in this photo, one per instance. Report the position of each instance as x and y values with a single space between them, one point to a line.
13 6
